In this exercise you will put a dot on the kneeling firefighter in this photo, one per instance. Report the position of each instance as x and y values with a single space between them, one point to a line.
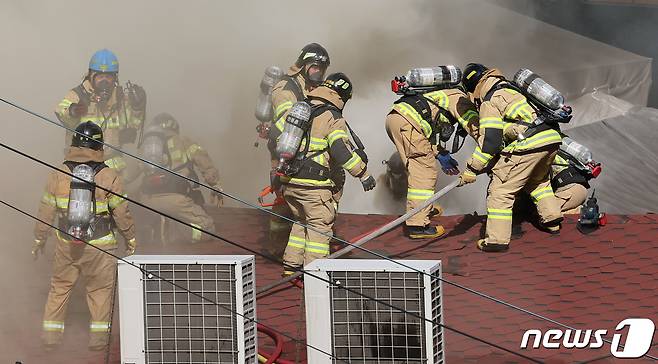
314 139
90 214
303 76
431 105
519 138
571 172
164 191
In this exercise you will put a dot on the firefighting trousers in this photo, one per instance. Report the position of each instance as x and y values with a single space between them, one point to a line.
571 198
511 174
99 271
315 208
417 155
184 208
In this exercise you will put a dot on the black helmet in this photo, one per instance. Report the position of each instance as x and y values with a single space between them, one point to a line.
88 135
472 75
166 121
340 83
314 54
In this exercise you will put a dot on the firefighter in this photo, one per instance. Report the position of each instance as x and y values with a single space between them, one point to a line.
518 156
101 99
571 172
302 77
91 214
169 193
308 191
412 126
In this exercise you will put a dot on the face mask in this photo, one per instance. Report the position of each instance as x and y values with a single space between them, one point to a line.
317 77
103 90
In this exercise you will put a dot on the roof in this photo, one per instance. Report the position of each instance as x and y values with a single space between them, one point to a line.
589 282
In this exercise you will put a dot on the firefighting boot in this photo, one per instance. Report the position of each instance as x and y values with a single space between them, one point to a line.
424 232
491 247
552 227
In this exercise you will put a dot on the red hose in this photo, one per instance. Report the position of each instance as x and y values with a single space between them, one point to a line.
278 340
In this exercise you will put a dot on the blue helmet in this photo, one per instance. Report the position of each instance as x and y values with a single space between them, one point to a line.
104 61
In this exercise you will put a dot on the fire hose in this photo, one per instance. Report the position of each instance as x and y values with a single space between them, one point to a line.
273 358
383 229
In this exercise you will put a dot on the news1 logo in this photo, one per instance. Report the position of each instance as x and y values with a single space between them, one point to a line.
637 343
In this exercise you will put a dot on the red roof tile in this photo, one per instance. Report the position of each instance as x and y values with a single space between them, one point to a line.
589 281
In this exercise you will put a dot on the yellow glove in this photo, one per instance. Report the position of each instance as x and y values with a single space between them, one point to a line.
132 245
466 177
37 248
217 199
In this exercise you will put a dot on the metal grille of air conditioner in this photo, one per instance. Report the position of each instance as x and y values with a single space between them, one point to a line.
361 330
181 327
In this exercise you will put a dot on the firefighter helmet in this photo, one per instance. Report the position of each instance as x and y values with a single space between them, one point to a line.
104 61
313 55
166 121
88 135
472 75
340 83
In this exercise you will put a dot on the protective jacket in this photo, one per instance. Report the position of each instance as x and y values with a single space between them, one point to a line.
426 112
290 89
504 115
117 118
328 144
111 210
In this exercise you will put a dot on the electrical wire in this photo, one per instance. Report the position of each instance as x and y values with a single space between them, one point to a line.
331 236
157 276
413 314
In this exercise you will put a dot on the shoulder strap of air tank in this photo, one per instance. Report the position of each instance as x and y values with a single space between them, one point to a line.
293 86
499 85
418 103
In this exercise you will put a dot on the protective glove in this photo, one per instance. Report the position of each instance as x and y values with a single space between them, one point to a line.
78 109
132 245
217 199
468 176
368 182
37 248
448 163
137 97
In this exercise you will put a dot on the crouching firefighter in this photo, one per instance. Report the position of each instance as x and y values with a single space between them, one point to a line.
315 139
431 105
571 172
519 138
90 214
171 194
302 77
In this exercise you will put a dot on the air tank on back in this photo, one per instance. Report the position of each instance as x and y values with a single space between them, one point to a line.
80 209
297 122
153 149
576 150
434 76
534 85
264 112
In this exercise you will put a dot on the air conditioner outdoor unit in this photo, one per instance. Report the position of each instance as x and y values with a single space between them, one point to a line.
355 329
161 323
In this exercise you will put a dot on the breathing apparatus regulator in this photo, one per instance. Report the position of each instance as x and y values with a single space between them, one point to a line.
81 207
419 81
